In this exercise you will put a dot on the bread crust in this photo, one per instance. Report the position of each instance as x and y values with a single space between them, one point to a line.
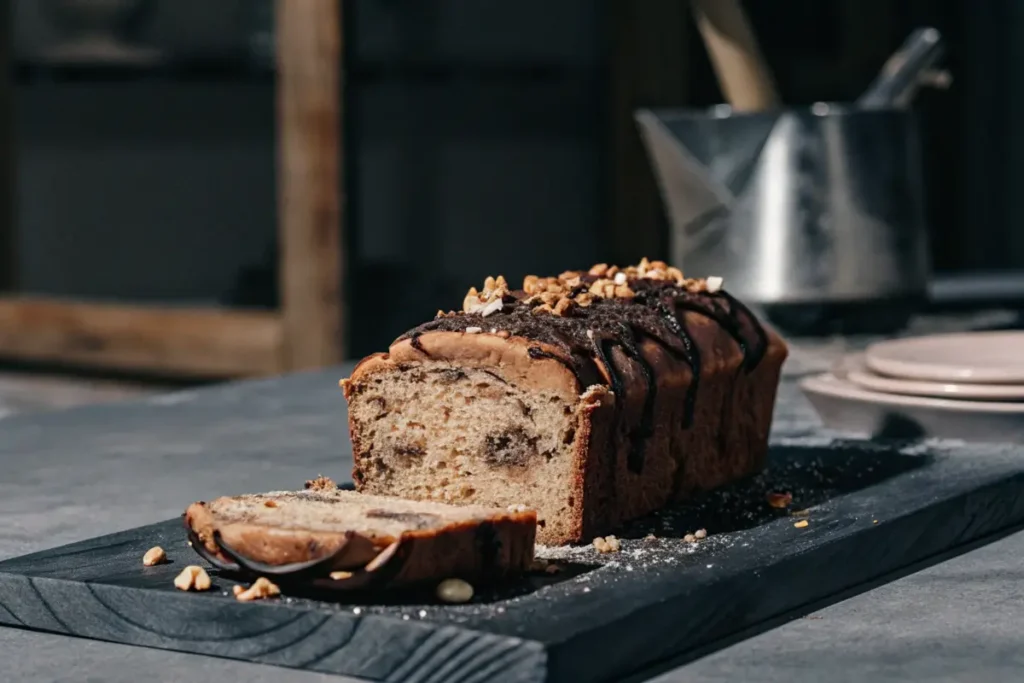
724 438
492 548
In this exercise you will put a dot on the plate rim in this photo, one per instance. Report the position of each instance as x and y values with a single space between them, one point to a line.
930 372
828 384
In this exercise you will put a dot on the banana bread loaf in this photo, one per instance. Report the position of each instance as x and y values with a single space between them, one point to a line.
592 397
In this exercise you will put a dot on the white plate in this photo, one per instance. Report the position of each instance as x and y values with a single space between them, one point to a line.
854 368
976 357
844 406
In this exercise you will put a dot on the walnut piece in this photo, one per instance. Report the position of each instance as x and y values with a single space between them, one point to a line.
192 578
261 588
607 544
154 556
321 483
341 575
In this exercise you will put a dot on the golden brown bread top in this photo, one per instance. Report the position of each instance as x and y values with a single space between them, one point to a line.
601 327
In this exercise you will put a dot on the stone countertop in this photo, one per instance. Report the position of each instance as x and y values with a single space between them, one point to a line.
71 475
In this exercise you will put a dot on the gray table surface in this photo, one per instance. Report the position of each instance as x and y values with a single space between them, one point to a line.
70 475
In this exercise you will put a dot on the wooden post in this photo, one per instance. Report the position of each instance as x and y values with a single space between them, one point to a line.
309 182
648 69
8 254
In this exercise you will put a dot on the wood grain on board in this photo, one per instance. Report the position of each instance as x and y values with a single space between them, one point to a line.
872 510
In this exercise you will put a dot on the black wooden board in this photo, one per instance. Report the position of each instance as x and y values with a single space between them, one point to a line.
874 509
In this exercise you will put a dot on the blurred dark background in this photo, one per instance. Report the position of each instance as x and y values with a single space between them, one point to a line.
480 137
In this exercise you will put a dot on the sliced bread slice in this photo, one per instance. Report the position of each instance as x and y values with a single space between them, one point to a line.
344 539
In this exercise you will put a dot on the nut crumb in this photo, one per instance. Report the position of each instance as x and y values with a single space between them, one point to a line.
154 556
689 538
874 521
700 534
474 330
454 591
341 575
779 500
607 544
801 524
261 588
321 483
192 577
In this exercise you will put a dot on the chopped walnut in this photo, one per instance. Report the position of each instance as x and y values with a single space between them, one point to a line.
495 289
154 556
192 578
563 306
801 524
341 575
779 500
689 538
261 588
606 544
599 270
321 483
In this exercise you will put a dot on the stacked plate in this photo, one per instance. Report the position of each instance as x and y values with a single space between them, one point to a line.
963 386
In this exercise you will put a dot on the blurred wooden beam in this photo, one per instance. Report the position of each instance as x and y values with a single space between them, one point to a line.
309 180
207 343
649 68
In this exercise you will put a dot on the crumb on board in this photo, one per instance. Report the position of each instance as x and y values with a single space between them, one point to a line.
154 556
321 483
454 591
340 575
261 588
192 577
690 538
801 524
606 544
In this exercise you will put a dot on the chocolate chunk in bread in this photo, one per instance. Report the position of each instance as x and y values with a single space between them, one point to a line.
593 397
319 531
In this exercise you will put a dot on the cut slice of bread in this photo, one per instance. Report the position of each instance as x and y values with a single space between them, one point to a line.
360 539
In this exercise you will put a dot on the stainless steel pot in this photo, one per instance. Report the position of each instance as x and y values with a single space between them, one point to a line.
821 205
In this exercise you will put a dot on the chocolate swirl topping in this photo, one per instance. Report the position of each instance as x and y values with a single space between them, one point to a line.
594 315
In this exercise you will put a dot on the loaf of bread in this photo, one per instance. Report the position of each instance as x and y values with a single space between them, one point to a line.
592 397
343 539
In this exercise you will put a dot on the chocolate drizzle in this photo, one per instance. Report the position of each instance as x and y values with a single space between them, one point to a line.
584 338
